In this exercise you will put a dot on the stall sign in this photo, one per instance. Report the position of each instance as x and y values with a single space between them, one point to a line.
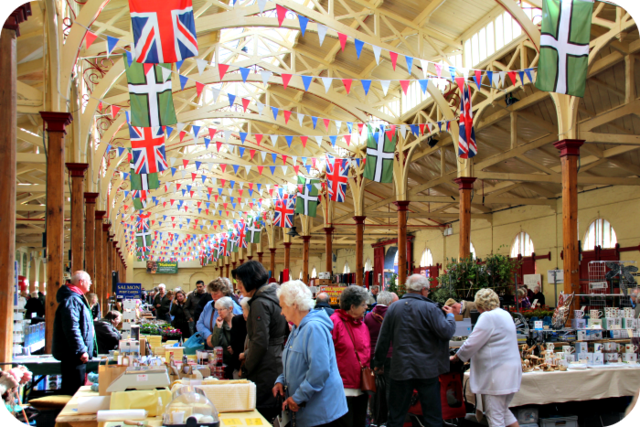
129 290
559 276
162 267
334 292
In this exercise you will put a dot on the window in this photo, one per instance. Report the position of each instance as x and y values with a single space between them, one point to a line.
600 233
522 245
427 258
368 265
472 250
314 273
301 275
346 269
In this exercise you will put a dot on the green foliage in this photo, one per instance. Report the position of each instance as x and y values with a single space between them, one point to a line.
393 285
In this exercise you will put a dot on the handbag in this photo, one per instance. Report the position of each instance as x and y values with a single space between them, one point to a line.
367 377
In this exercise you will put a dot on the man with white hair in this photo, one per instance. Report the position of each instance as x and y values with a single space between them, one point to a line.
634 295
73 333
162 303
420 333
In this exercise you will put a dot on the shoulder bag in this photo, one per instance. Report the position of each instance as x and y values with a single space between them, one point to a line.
367 378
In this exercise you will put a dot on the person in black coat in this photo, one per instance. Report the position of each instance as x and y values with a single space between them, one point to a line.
238 337
73 333
180 314
322 303
161 302
34 306
107 336
267 330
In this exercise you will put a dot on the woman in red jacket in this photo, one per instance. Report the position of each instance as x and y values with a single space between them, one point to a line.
351 335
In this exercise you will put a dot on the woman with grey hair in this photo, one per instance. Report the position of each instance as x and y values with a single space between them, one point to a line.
310 373
353 351
221 334
496 369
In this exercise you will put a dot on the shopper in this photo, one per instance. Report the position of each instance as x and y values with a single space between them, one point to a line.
180 315
171 295
523 300
374 291
634 293
191 305
420 333
238 335
95 306
310 372
539 296
73 334
34 306
266 331
462 308
244 303
107 335
322 303
351 341
374 319
496 369
161 303
222 331
217 289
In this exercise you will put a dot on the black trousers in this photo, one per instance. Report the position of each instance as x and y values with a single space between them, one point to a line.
400 393
73 375
357 414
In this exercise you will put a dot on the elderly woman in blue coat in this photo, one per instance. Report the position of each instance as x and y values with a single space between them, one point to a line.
310 382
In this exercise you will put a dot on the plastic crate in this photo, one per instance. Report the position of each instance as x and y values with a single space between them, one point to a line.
570 421
526 415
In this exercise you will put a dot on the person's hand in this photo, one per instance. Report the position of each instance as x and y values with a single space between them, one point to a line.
293 406
454 358
8 381
219 322
378 370
447 309
190 319
241 356
278 389
209 341
22 374
158 305
230 350
84 358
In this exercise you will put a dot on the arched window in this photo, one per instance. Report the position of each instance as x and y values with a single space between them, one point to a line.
472 250
600 233
522 245
427 258
346 269
301 275
314 273
368 265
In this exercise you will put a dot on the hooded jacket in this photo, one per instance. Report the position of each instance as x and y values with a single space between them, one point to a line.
266 331
73 332
310 371
373 320
107 336
322 305
347 361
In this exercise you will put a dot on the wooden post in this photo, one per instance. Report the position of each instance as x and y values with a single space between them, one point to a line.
359 249
227 269
403 206
287 255
106 272
90 238
99 270
260 256
272 262
8 156
56 125
305 258
328 248
114 254
569 153
465 185
76 171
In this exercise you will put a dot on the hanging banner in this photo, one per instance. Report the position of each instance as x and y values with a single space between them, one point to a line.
162 267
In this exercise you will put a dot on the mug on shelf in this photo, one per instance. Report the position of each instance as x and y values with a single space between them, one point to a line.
595 314
628 312
598 347
578 314
630 348
568 349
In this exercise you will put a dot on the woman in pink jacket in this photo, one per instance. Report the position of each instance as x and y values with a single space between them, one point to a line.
351 335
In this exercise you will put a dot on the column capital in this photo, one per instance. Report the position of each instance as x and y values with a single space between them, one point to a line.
106 227
306 238
56 122
403 205
100 215
329 230
114 242
359 219
273 250
259 253
465 182
249 257
569 147
91 198
287 244
17 17
77 169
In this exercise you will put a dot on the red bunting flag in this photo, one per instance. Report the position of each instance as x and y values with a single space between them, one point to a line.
182 134
114 111
199 88
258 138
347 84
460 82
223 166
360 127
282 12
512 76
89 38
212 132
394 59
284 159
286 78
260 169
218 145
479 78
252 153
303 139
326 123
222 70
347 138
193 176
245 103
287 115
343 40
405 85
185 162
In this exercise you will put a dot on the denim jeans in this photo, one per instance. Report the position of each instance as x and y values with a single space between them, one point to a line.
400 393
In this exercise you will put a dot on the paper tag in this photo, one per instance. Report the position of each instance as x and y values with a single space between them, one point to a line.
232 422
142 377
534 303
254 421
537 325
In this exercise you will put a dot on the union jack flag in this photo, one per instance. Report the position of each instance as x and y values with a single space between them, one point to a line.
337 178
142 223
148 149
242 235
163 31
283 216
467 147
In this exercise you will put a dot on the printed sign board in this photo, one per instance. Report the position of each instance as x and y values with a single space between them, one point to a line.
129 290
162 267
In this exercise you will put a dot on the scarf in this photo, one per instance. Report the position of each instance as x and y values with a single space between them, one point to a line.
76 289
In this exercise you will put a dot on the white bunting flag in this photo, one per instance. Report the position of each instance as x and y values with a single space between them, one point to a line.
385 86
274 139
322 31
266 75
319 140
166 74
300 118
202 64
338 125
376 52
327 83
261 5
260 107
216 93
424 64
264 155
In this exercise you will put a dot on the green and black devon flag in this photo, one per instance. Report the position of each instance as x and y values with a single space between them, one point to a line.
564 46
380 155
150 94
307 199
140 186
253 231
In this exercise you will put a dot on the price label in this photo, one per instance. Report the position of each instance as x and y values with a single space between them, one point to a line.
254 421
630 332
143 377
537 325
232 422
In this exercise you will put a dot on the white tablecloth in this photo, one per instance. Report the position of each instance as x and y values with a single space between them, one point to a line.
540 388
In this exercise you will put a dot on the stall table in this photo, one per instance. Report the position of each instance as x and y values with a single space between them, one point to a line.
69 416
541 388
